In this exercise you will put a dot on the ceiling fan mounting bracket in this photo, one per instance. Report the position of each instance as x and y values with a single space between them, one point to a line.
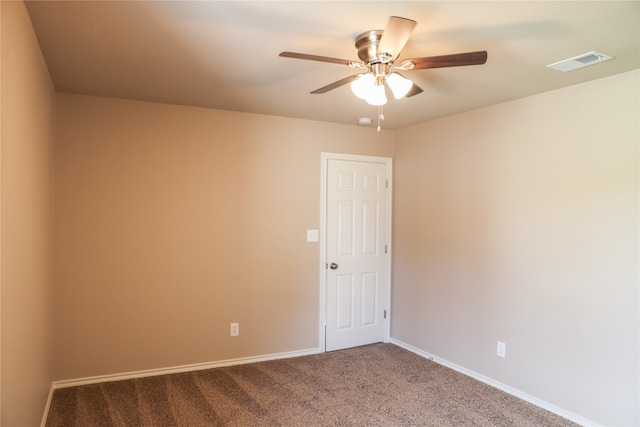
406 65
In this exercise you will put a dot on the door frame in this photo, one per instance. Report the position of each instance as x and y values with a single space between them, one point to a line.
387 161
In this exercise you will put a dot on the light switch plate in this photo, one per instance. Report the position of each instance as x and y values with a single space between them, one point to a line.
501 349
312 235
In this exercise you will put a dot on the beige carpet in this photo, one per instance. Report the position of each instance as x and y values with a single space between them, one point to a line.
375 385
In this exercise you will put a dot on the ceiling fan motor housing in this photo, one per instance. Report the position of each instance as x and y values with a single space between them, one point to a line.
367 45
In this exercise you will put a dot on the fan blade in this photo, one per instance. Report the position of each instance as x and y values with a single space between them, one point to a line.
415 89
315 58
455 60
395 36
337 84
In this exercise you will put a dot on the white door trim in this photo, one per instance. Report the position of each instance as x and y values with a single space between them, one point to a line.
325 157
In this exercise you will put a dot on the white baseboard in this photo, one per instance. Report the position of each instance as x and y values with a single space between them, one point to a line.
182 368
171 370
512 391
46 407
245 360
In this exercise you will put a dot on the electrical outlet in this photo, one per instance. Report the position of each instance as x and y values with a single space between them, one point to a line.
501 349
235 329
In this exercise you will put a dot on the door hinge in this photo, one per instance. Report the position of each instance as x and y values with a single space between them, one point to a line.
385 249
386 183
385 314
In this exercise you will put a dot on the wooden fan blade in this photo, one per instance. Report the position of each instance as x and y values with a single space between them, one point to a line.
395 36
315 58
454 60
337 84
415 89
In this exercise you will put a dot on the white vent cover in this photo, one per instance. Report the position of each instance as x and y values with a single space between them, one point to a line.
580 61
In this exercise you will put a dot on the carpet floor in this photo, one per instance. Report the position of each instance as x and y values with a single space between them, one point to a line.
375 385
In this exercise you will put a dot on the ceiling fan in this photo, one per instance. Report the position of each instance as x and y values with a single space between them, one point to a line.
378 51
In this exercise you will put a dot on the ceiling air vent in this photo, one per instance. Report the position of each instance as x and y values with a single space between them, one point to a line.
580 61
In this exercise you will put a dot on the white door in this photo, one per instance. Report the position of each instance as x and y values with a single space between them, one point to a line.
356 261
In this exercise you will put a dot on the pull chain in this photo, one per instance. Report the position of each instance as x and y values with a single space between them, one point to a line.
380 116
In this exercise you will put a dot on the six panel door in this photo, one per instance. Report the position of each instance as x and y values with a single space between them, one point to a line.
356 253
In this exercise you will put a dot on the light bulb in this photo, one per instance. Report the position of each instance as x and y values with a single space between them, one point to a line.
377 96
363 85
398 85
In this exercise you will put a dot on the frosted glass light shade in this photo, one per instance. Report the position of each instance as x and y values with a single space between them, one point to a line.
363 85
398 85
377 96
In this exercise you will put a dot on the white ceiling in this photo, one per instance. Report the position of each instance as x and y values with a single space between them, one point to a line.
224 54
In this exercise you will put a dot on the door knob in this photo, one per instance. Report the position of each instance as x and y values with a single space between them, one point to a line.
333 266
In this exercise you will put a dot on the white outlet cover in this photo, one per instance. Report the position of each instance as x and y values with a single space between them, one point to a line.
312 235
501 349
235 329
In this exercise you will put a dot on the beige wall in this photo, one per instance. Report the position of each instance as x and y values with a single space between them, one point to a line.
27 137
519 223
172 222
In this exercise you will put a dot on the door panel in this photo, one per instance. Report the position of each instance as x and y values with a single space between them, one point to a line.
346 212
356 226
369 298
370 228
344 302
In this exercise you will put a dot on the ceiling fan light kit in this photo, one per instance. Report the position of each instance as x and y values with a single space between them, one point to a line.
362 85
370 86
376 95
378 50
399 85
